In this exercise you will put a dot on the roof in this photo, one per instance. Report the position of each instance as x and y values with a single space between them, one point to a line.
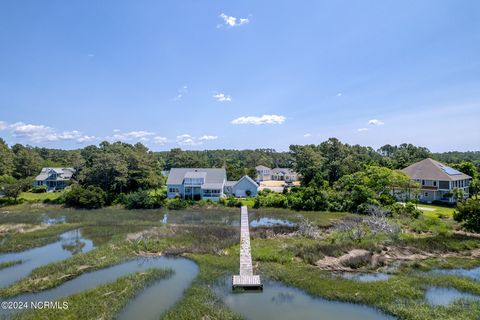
429 169
195 174
212 175
212 186
261 168
249 179
230 183
63 173
283 171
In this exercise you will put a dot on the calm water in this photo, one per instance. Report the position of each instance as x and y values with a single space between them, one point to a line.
280 302
365 277
71 242
149 304
221 217
443 296
470 273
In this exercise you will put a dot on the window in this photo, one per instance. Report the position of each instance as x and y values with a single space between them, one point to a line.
188 189
173 190
434 183
423 182
426 194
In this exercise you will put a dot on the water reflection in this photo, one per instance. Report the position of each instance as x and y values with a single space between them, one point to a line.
444 296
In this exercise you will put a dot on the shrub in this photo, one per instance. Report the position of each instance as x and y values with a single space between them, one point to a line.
87 198
41 189
468 212
143 200
177 204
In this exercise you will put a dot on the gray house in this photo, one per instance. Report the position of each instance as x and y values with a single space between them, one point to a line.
54 178
206 183
245 187
437 180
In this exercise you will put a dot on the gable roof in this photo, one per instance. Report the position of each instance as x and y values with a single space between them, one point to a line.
63 173
212 175
260 167
247 178
283 171
429 169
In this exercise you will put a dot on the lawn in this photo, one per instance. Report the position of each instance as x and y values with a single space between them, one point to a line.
432 210
40 197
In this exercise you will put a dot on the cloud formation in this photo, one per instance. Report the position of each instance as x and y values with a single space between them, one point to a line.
231 21
208 138
376 122
265 119
221 97
306 135
3 125
132 135
362 129
41 133
160 140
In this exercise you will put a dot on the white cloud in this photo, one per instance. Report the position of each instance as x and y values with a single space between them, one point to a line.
3 125
208 138
265 119
133 135
362 129
376 122
339 94
160 140
306 135
221 97
231 21
187 140
180 93
116 130
90 55
41 133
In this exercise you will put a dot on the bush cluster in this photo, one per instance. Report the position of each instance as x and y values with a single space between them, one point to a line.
87 198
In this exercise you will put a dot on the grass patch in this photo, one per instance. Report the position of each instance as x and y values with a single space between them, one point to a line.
27 240
102 302
8 264
439 211
40 197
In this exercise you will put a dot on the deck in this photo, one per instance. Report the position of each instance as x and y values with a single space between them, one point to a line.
246 279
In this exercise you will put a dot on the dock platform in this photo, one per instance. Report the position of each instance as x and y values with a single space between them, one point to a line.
246 279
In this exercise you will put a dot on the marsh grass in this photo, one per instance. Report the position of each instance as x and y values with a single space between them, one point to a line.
8 264
26 240
104 301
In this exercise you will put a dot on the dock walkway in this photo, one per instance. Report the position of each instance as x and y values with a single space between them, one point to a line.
246 279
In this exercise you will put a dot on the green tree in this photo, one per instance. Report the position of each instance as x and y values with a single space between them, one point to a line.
468 212
27 162
6 159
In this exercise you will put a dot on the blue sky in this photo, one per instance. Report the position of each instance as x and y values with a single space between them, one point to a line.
240 74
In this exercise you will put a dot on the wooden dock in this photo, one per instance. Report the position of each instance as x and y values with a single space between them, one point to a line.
246 279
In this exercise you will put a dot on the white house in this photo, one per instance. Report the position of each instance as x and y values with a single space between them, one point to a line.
437 180
53 178
276 174
207 183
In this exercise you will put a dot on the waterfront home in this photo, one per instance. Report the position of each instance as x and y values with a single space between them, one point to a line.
53 178
207 183
437 181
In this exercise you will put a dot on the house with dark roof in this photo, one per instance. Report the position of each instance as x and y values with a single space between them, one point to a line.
207 183
437 181
53 178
